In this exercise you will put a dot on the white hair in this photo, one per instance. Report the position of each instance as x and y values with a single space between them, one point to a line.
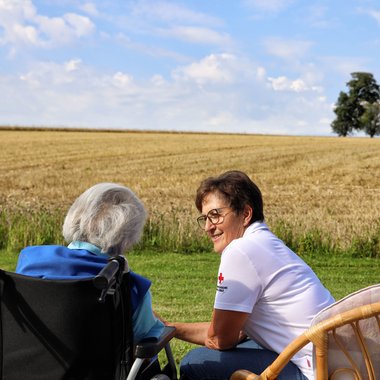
108 215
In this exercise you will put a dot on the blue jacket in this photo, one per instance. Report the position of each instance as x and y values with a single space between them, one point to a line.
57 262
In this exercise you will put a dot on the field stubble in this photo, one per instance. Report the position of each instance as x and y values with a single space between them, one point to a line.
323 185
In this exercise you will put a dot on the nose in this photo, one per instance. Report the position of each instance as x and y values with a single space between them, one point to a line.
208 225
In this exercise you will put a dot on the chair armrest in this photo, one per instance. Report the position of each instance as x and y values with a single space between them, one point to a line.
147 348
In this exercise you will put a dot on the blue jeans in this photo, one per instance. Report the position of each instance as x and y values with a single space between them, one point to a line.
206 364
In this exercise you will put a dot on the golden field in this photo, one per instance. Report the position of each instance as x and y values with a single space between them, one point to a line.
328 184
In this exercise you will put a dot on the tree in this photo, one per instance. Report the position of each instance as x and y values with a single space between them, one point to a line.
342 125
363 89
371 119
349 109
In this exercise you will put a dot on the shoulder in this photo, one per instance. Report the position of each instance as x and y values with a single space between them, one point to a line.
142 283
39 252
58 262
42 248
260 248
257 238
260 238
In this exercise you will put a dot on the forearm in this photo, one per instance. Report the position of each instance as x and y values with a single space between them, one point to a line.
195 332
225 329
222 342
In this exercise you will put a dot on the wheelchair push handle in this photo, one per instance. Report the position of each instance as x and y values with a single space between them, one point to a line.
107 275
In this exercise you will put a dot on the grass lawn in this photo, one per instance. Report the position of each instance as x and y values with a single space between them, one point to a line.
184 285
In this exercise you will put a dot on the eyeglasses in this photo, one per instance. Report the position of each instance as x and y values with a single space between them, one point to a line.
214 216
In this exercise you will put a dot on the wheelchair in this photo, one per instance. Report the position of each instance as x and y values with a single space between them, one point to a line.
76 330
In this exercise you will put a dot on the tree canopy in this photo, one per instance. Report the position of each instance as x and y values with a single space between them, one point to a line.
371 119
354 111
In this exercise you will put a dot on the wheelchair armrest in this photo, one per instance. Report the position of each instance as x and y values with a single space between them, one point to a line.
148 348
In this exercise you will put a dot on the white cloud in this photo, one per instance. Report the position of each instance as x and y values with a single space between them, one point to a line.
287 49
89 8
12 16
198 35
318 17
268 5
375 14
282 83
299 114
172 21
51 75
213 69
172 12
325 121
52 29
220 69
72 65
23 26
25 34
11 10
157 80
81 26
122 80
345 65
150 50
222 120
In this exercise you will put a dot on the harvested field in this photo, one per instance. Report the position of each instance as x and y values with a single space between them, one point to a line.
327 184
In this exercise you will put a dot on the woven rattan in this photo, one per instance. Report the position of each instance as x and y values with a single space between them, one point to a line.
346 345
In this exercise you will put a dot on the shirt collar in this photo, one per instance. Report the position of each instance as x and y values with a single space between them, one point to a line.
88 247
256 226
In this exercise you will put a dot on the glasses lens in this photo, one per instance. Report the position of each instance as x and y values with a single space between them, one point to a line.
214 216
202 221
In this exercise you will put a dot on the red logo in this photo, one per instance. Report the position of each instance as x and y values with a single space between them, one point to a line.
220 278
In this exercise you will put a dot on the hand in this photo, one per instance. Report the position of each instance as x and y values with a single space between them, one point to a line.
166 323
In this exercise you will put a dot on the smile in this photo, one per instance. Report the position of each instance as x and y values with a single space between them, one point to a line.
216 236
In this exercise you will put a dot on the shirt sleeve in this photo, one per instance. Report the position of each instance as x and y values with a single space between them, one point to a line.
238 284
145 323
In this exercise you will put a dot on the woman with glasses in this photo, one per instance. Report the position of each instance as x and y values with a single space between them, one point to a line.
265 292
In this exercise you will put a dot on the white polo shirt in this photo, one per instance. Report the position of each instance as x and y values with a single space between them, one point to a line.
260 275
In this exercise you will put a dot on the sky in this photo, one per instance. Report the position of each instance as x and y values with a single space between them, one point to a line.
236 66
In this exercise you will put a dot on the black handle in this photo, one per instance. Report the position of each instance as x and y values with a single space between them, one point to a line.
107 275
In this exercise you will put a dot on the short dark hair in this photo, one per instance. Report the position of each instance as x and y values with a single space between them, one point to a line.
237 189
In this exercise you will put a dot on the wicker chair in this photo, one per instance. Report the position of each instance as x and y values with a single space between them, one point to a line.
345 338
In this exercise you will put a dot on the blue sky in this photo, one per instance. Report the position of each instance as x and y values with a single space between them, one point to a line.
247 66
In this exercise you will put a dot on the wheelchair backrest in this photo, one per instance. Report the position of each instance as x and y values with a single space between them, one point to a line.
54 330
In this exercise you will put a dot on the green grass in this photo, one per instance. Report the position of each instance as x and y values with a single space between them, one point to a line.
183 286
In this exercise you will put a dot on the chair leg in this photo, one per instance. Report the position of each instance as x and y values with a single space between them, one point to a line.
135 369
171 362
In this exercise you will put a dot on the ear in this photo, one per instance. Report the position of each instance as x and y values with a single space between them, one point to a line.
247 213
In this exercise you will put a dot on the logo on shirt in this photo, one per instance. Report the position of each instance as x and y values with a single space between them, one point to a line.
221 288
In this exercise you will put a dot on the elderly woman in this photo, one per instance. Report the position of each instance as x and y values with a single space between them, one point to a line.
264 290
105 221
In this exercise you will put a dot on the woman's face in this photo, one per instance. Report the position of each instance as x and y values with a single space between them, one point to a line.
230 227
